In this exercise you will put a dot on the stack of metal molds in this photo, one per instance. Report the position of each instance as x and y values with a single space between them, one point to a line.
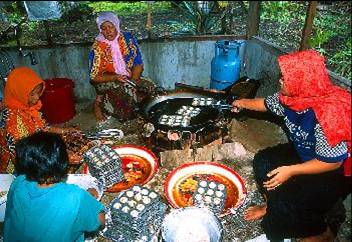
211 195
104 162
136 215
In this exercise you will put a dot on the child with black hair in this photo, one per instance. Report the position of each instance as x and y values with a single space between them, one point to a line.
40 205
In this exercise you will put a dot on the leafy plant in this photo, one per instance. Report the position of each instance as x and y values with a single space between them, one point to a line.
73 11
15 13
330 28
281 11
203 19
321 37
341 60
127 8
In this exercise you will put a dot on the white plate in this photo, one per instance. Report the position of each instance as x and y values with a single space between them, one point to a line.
5 183
86 181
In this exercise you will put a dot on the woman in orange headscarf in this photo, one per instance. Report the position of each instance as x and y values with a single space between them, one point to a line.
303 179
20 115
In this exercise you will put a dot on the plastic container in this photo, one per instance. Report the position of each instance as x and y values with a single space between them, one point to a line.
58 100
226 64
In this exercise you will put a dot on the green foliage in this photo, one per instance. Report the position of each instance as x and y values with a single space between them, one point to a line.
281 11
329 27
341 61
127 8
15 13
321 37
74 11
203 21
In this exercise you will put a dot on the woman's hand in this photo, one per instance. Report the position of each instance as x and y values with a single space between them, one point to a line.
70 130
278 176
120 78
59 130
93 192
256 104
237 106
74 158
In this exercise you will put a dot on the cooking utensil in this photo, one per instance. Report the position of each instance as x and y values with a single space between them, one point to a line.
105 134
133 84
172 103
191 224
220 105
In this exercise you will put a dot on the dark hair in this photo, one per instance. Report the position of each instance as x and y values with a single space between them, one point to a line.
42 157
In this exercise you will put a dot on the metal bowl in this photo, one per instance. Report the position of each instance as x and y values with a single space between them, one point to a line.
191 224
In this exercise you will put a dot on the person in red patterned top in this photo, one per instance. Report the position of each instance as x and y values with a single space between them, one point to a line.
303 179
21 116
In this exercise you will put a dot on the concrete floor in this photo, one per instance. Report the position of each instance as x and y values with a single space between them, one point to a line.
253 132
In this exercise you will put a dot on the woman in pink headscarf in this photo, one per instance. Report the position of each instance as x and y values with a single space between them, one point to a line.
116 67
303 179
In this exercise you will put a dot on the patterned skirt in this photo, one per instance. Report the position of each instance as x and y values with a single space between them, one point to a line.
121 100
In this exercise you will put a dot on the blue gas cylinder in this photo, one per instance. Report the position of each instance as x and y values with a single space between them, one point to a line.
226 64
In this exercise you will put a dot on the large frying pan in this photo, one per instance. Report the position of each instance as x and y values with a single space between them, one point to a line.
169 103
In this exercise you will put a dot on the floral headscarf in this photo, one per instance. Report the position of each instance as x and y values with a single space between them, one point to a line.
119 62
307 82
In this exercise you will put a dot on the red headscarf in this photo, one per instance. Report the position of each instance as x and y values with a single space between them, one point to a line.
20 82
307 82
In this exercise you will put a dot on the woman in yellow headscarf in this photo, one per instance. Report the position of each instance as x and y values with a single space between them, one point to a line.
20 115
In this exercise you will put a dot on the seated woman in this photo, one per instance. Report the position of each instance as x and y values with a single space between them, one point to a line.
40 205
303 179
115 70
20 115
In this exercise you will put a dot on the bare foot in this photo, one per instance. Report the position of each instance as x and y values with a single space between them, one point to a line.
98 112
255 212
100 118
326 236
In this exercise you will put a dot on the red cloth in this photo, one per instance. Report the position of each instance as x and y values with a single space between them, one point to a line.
308 85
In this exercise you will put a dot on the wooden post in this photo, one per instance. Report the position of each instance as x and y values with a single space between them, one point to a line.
149 20
231 6
307 30
253 19
48 33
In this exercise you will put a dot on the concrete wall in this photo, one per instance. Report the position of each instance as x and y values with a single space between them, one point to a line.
69 61
171 62
261 64
166 62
